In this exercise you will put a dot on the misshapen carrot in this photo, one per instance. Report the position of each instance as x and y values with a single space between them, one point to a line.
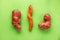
29 17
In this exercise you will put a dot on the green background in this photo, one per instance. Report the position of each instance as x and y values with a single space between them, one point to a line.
40 7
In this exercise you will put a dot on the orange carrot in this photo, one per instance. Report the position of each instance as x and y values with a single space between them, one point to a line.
29 17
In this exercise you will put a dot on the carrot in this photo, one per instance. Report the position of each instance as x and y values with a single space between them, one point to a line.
29 17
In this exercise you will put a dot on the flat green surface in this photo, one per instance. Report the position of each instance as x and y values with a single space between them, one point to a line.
40 7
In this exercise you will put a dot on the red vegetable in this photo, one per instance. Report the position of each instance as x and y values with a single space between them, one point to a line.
16 14
29 17
46 24
47 17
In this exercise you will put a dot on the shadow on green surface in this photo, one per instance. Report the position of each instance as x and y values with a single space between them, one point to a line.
46 31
